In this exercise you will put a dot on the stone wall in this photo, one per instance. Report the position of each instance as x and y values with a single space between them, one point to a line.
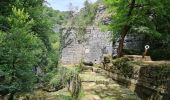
154 82
92 50
150 80
72 53
97 43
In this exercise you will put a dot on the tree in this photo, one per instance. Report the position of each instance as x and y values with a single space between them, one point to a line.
27 40
136 16
20 51
123 19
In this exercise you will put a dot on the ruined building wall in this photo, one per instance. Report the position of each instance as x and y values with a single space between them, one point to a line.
72 53
97 42
92 50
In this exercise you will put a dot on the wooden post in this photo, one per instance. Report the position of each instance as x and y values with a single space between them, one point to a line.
146 49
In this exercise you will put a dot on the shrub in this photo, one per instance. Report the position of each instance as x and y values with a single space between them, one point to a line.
123 66
67 77
160 54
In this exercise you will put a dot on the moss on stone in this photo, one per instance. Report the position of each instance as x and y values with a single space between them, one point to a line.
123 66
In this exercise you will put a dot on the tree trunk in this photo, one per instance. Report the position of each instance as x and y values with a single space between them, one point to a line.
121 41
125 30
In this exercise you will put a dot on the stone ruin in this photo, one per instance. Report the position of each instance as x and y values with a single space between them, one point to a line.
92 50
97 43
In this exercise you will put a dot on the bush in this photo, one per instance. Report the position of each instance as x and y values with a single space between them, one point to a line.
64 77
160 54
123 66
132 52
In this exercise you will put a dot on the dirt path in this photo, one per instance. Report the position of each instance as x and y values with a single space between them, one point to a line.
96 86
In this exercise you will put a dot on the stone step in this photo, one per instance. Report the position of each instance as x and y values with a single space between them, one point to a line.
138 57
99 82
98 86
92 76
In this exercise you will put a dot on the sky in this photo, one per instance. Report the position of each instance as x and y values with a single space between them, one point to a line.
62 5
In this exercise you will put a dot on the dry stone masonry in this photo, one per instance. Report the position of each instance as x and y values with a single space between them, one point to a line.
97 43
92 50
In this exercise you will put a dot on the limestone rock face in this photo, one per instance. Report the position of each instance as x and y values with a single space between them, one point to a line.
132 42
102 16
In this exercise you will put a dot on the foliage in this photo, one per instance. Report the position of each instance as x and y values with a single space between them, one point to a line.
80 20
132 52
79 67
27 40
56 16
162 53
123 66
143 17
61 77
139 20
67 78
20 51
159 48
103 27
85 17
